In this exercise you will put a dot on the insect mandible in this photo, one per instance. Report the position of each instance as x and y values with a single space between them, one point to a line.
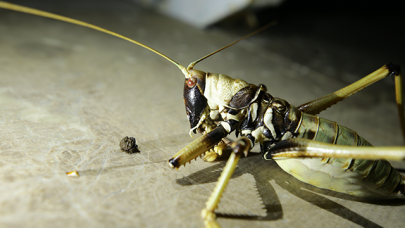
249 110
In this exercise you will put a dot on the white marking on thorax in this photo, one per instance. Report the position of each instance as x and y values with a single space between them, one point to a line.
287 135
246 132
253 110
214 112
268 121
258 133
226 125
221 111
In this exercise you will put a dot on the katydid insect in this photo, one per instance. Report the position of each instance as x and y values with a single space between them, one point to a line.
257 92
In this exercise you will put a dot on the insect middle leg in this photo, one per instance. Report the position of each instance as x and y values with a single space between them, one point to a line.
242 145
199 146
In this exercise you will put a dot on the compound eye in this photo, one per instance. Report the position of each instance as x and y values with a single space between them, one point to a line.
191 82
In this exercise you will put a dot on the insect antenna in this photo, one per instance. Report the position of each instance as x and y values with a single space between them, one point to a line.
41 13
192 64
184 70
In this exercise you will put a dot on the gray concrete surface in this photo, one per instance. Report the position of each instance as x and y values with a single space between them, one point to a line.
69 94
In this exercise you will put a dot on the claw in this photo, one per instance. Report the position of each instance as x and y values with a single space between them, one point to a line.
210 156
209 219
213 154
220 147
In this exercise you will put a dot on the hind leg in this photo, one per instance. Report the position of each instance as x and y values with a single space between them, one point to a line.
318 105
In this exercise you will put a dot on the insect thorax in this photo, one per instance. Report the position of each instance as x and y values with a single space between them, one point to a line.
248 110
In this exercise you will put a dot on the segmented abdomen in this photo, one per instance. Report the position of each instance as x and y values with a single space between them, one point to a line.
364 178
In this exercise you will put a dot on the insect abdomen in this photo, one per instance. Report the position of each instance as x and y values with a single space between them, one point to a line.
358 177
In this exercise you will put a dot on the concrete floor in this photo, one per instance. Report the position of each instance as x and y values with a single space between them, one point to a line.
69 94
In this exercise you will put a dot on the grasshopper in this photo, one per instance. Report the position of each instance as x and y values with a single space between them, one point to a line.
217 105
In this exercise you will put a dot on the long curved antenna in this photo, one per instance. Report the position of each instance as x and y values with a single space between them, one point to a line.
41 13
192 64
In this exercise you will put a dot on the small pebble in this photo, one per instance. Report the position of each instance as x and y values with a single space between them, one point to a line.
128 144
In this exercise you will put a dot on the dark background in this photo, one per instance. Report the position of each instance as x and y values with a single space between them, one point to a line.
345 40
335 37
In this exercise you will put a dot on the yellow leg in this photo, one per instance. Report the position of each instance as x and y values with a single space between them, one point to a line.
298 147
240 146
399 100
198 147
318 105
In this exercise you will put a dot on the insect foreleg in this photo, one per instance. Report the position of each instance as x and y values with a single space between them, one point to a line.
242 145
198 147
